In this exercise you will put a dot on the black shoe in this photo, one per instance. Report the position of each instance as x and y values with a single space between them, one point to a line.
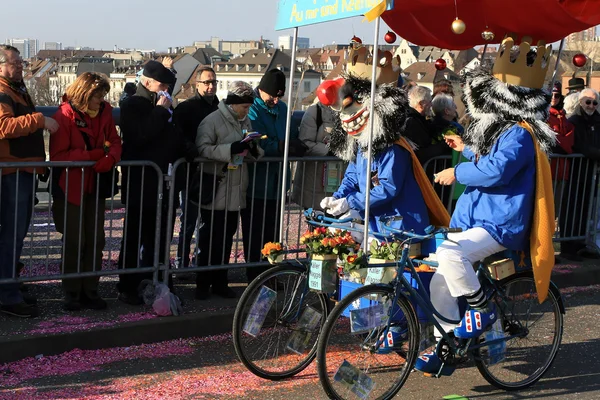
29 299
589 254
22 310
72 302
225 292
571 257
132 299
93 301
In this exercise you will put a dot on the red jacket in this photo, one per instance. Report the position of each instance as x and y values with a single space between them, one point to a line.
565 137
67 144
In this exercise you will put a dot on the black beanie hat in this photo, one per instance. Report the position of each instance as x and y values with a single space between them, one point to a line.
157 71
273 83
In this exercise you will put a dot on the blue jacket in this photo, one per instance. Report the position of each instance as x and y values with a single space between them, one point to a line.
395 193
271 122
500 190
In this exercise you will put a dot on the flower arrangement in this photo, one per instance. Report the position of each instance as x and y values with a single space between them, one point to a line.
385 251
354 261
273 251
323 241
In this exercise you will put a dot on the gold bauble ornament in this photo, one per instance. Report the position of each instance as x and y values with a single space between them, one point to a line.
458 26
488 35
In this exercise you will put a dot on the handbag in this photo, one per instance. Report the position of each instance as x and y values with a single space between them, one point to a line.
203 186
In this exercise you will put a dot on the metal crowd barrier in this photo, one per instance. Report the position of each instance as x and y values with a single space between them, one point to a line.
43 252
575 191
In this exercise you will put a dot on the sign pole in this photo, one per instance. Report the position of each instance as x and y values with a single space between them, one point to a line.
371 125
288 126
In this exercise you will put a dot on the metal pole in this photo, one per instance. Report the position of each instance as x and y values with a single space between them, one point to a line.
371 126
483 54
560 49
288 125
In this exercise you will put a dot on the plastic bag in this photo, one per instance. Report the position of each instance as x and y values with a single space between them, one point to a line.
163 302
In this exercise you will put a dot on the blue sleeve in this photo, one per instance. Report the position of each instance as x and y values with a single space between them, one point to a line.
468 154
392 170
349 184
271 144
514 151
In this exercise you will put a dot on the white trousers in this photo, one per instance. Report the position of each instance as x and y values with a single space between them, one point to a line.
455 275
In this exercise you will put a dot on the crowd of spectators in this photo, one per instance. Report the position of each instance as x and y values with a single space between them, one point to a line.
242 192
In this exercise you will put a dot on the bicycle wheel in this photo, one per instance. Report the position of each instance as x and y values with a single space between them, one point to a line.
358 352
277 322
526 358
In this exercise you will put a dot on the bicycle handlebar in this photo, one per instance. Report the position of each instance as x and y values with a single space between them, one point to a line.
319 216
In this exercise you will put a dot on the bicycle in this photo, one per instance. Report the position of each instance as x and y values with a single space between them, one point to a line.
281 342
371 352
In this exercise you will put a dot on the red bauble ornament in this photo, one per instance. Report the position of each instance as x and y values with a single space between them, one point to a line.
440 64
579 60
327 92
390 37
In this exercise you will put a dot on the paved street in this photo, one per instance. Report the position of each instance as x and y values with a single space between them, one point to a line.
207 368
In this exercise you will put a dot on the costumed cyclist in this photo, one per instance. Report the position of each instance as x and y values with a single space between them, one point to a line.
397 183
507 203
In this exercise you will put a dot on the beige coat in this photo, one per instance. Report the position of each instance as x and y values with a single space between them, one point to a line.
308 190
213 139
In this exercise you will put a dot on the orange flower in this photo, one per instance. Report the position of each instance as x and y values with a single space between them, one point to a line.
352 258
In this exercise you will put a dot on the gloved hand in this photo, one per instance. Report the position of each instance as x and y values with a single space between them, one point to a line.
338 207
104 164
239 147
96 154
326 202
355 215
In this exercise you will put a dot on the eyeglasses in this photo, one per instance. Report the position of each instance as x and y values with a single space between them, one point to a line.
588 102
208 83
16 63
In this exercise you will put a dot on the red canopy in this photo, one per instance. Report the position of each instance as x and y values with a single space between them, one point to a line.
428 22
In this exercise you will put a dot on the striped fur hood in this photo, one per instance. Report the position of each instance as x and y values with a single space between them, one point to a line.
495 106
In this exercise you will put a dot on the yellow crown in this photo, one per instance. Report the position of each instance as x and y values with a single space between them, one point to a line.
519 72
360 63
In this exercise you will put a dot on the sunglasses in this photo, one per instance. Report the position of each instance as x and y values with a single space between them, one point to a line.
588 102
207 83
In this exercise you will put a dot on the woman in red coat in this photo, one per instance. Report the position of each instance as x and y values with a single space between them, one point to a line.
87 133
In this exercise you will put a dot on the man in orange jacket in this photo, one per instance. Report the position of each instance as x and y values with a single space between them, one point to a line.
21 140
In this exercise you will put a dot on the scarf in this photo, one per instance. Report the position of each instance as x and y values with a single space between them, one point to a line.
20 88
542 226
438 215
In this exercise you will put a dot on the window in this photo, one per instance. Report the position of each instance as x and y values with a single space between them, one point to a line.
295 88
307 86
403 51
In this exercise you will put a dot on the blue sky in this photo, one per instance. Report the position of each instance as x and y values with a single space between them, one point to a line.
156 24
152 24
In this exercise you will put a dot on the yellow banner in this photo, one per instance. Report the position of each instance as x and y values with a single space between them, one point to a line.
376 11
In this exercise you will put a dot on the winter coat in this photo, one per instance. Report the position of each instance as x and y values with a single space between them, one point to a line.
271 122
21 129
500 189
215 135
565 137
148 134
587 134
394 189
188 115
68 144
310 176
417 130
